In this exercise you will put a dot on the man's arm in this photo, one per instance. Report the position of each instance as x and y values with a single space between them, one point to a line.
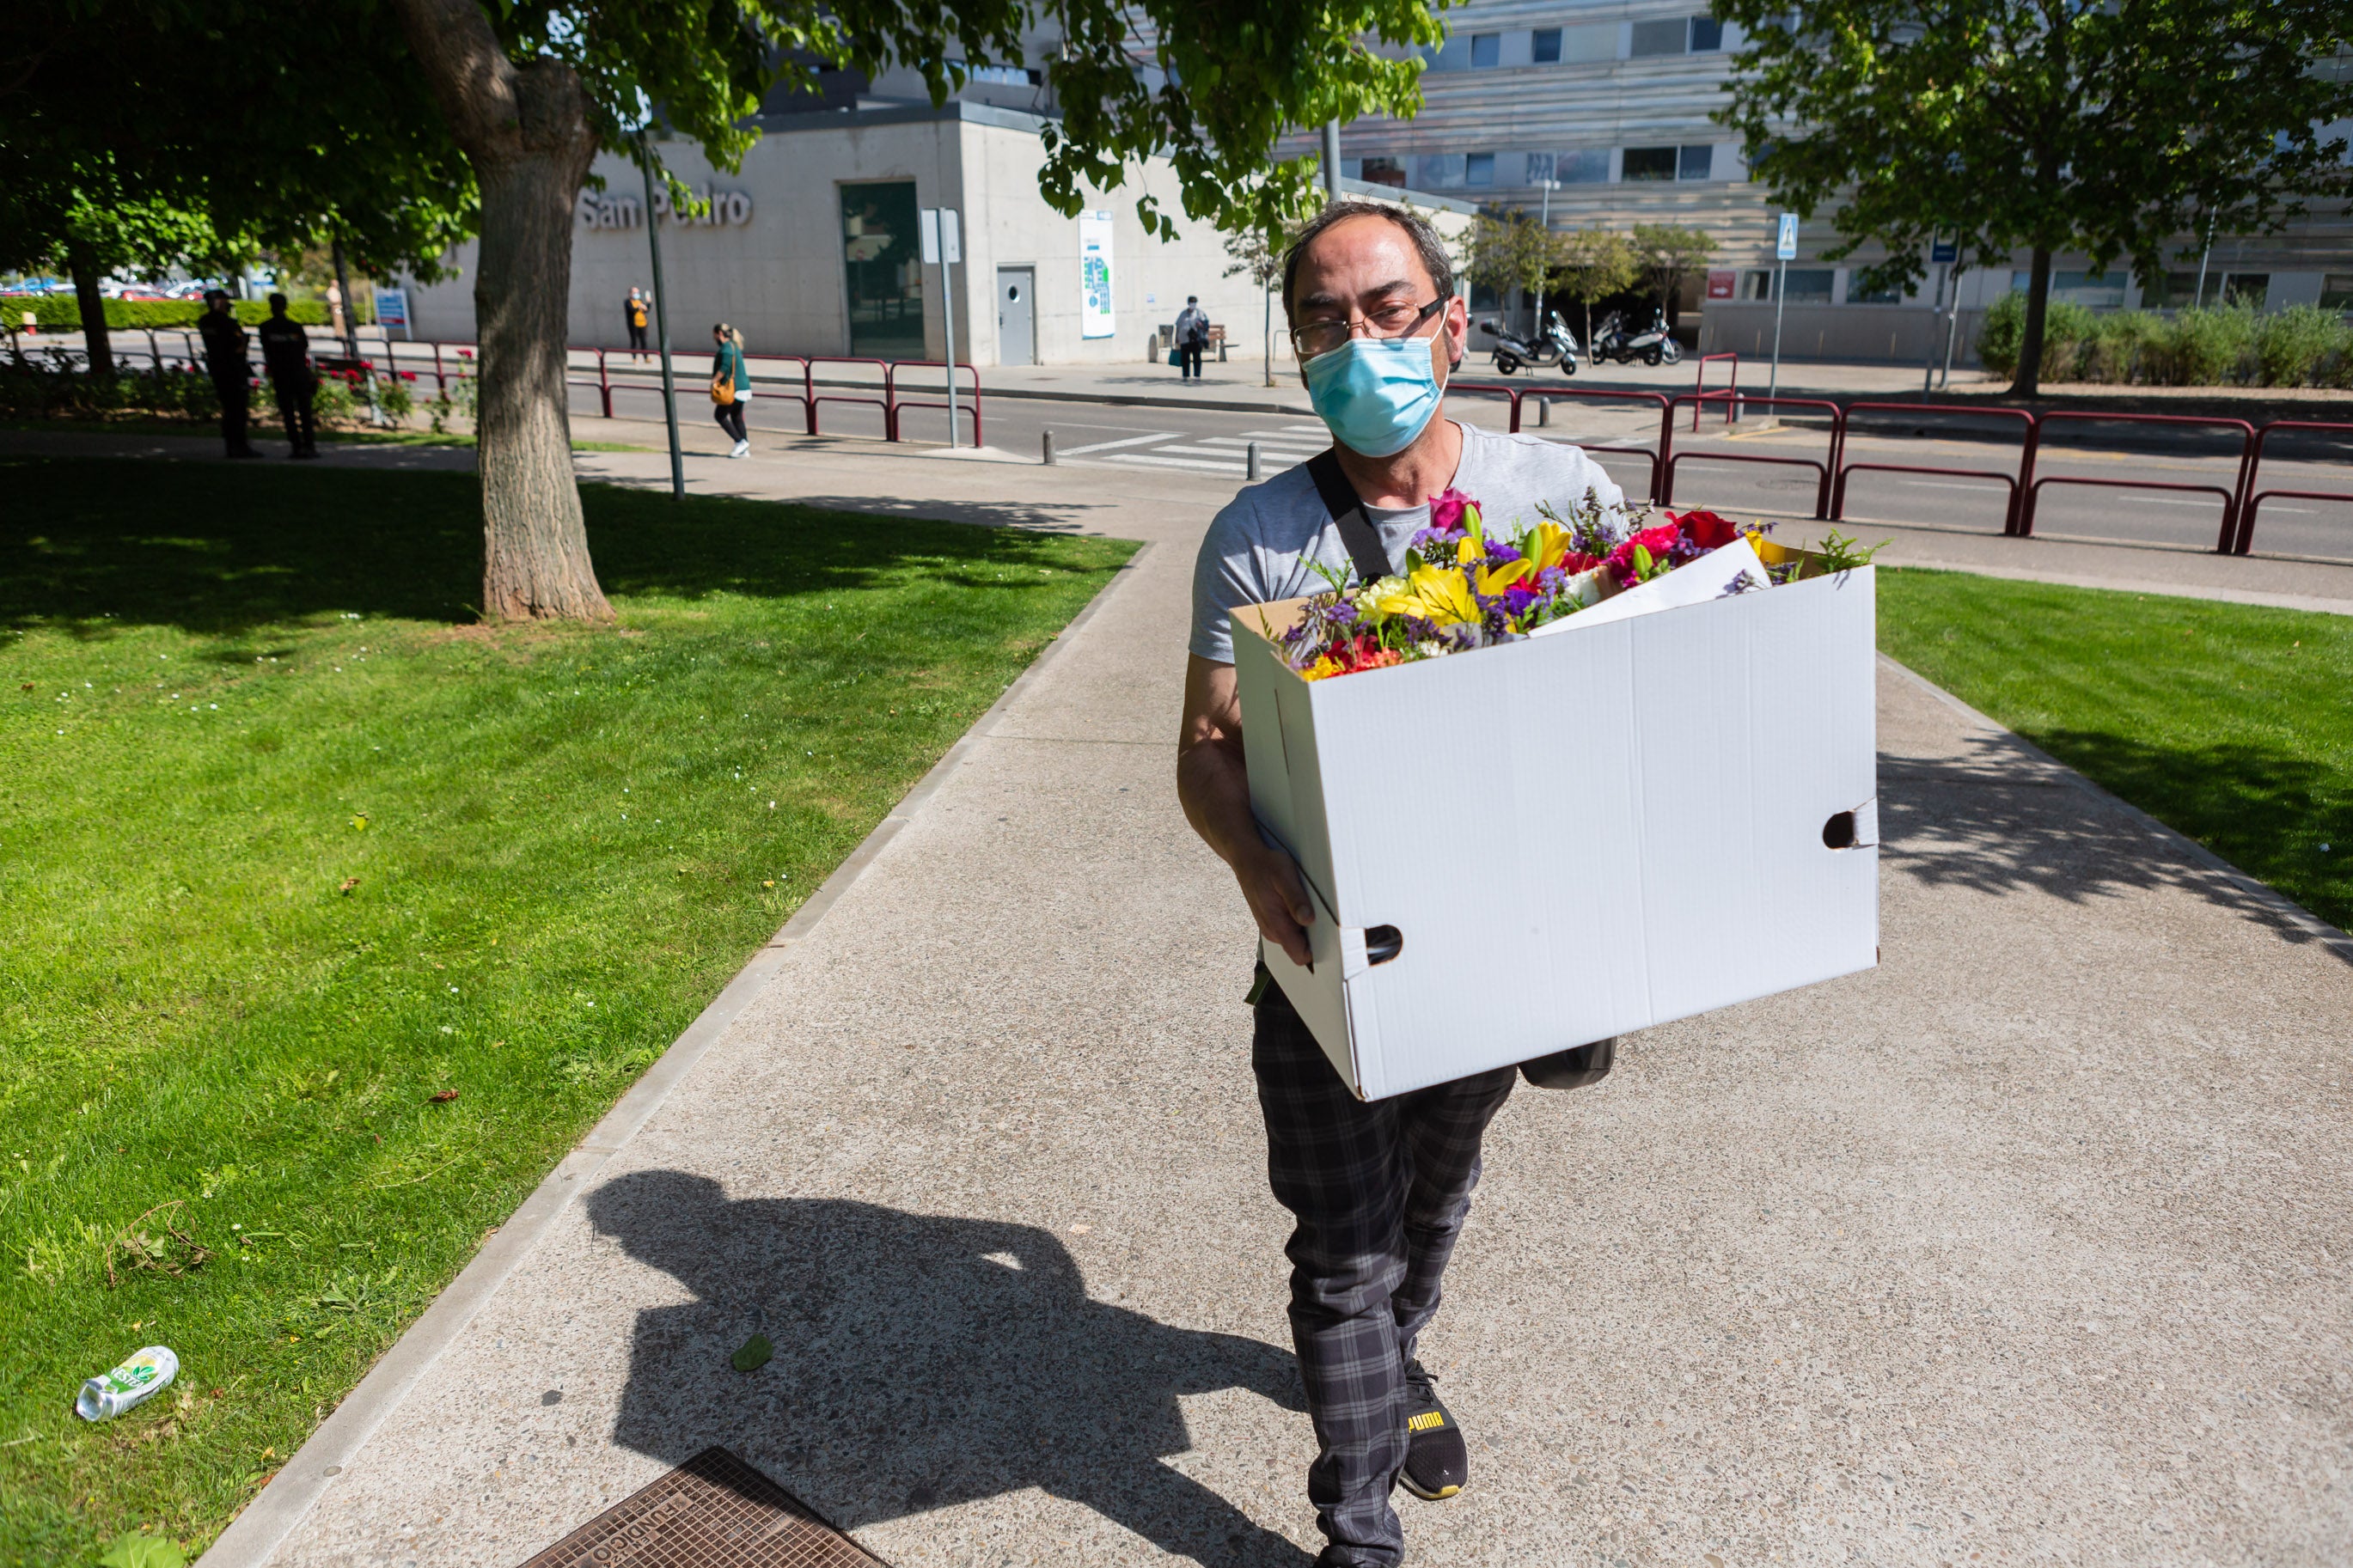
1214 788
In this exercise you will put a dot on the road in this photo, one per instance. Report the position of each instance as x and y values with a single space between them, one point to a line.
1714 470
1754 468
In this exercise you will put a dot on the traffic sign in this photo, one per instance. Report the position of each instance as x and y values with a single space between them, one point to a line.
1944 251
1784 248
941 235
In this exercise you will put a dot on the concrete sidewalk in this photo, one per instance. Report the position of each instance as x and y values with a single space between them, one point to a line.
2028 1246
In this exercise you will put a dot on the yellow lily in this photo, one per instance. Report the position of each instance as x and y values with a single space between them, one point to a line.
1494 580
1440 596
1546 546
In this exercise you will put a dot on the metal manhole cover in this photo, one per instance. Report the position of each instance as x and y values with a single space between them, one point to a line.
713 1511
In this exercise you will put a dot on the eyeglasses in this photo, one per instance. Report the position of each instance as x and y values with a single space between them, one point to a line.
1387 321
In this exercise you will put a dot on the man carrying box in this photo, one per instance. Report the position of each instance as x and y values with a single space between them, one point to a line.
1379 1190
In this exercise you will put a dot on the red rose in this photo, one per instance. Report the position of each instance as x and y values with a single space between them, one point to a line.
1446 508
1706 530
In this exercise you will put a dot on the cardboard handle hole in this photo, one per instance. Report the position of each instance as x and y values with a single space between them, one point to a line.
1838 833
1382 944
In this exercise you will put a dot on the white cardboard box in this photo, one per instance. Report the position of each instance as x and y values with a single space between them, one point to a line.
1575 835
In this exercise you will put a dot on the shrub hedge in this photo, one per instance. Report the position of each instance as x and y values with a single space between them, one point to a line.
54 386
2302 345
60 313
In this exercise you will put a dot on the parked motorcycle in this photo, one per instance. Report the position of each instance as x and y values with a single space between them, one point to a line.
1654 345
1610 339
1556 346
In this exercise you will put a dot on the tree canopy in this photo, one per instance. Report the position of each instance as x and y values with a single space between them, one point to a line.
401 125
1511 251
2052 125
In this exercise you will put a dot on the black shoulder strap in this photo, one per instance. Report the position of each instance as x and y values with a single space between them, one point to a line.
1366 550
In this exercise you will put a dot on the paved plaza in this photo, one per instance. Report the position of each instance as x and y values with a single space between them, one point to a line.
2028 1245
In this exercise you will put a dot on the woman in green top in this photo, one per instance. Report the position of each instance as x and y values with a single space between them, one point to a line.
731 386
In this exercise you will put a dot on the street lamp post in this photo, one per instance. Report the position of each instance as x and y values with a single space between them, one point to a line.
661 325
1543 222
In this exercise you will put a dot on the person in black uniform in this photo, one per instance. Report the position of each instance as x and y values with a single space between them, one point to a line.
286 356
232 374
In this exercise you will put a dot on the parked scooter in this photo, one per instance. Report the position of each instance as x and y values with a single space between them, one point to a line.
1610 339
1654 345
1556 346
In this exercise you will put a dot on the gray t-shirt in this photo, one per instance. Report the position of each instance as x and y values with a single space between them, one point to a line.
1260 547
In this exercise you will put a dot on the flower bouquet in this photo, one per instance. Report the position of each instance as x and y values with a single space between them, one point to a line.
1692 797
1465 588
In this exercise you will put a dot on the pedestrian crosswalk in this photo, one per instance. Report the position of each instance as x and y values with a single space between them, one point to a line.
1279 447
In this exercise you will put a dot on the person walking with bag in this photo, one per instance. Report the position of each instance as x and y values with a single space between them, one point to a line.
730 387
633 315
286 356
1192 335
1380 1189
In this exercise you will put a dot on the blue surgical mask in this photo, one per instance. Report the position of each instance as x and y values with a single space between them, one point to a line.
1377 394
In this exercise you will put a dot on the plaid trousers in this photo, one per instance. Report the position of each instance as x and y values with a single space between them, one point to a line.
1380 1191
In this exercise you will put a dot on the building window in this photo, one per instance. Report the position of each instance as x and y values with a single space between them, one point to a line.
1384 172
1543 46
1757 285
2336 291
1858 295
1587 167
1707 34
883 269
1650 162
1478 170
1486 50
1697 162
1809 285
1660 38
1438 171
2097 291
1540 167
1001 75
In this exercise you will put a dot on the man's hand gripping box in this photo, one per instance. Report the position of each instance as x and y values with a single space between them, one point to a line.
1522 849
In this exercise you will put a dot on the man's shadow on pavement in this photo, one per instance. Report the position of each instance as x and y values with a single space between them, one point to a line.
921 1361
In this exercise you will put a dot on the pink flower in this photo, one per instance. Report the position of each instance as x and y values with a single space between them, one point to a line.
1659 543
1446 508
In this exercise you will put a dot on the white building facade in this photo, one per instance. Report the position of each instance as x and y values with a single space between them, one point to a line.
1610 101
812 248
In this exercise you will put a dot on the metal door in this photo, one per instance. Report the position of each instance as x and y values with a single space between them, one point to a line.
1017 315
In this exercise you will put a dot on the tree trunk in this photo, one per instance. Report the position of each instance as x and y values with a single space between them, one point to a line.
535 547
2028 382
525 131
96 341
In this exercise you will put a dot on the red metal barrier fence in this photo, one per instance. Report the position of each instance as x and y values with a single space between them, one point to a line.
2252 497
1731 388
1493 389
1838 490
898 401
2032 486
1666 487
2240 500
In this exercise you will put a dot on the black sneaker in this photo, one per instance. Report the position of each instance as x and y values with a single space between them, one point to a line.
1436 1460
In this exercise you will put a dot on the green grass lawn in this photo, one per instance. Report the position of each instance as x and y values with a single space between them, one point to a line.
332 921
2232 723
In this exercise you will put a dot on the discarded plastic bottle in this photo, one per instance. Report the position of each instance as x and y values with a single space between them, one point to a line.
135 1381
